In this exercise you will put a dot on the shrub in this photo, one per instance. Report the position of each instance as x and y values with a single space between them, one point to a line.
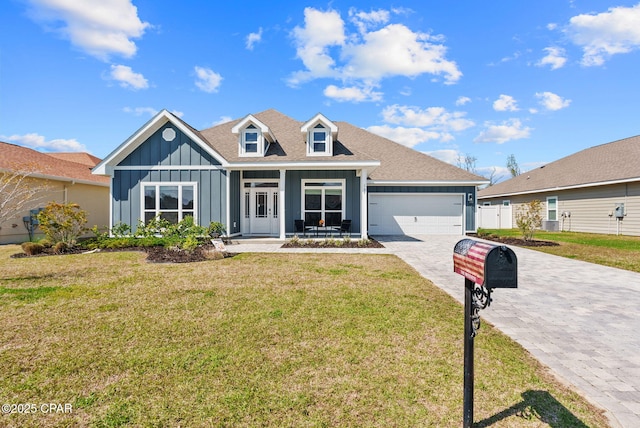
120 230
59 248
32 248
529 218
62 222
216 229
190 243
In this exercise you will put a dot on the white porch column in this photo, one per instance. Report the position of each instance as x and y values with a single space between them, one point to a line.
364 205
281 214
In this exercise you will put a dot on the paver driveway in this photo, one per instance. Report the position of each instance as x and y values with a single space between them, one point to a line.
580 319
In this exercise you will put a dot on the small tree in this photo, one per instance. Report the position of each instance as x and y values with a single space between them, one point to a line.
63 222
529 218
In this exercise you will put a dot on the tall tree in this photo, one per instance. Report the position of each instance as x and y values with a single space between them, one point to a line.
512 166
467 162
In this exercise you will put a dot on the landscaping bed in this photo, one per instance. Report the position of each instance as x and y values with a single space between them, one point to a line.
332 243
519 242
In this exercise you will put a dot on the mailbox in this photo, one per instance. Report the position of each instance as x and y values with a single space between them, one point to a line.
494 266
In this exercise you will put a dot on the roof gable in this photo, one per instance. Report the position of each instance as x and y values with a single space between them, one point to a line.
147 130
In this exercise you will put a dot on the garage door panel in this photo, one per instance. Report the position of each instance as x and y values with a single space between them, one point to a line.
415 214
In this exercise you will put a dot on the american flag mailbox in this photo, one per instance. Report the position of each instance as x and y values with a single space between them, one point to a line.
484 267
494 266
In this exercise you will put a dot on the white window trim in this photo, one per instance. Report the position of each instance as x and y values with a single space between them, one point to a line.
328 142
557 207
180 185
260 142
506 203
343 188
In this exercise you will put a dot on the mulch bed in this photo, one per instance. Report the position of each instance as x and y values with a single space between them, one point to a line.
518 242
354 243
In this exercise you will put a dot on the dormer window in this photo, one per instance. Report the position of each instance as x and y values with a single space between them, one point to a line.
319 139
254 137
320 133
250 139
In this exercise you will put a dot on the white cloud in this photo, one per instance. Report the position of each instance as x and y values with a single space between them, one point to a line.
100 28
505 103
508 130
36 141
327 50
352 93
435 118
221 120
462 101
605 34
128 78
254 38
556 58
365 20
446 155
406 136
551 101
139 111
207 79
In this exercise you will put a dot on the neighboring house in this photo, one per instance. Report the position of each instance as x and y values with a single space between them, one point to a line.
65 177
259 174
595 190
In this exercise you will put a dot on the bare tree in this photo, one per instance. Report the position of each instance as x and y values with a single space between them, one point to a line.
467 162
19 191
512 165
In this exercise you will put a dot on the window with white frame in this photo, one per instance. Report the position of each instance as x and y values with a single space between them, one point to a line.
506 203
251 138
552 208
323 200
170 201
319 140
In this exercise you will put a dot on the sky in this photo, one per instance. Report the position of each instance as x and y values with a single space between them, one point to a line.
481 80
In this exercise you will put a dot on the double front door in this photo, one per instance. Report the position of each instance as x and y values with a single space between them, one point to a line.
261 208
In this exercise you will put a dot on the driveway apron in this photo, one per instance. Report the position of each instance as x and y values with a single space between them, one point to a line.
580 319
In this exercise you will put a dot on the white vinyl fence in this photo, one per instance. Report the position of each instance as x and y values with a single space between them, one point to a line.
495 217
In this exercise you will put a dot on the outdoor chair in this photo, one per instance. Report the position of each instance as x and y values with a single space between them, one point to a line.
300 227
345 227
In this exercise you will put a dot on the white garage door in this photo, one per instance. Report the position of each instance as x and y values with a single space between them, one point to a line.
412 214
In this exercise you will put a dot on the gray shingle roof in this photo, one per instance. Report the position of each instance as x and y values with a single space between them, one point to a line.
397 162
616 161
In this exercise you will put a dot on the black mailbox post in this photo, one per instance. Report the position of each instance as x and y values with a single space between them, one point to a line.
484 267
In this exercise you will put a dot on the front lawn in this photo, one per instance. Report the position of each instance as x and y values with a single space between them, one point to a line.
255 340
610 250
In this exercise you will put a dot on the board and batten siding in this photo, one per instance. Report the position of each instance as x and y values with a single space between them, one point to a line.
293 192
159 154
590 208
469 214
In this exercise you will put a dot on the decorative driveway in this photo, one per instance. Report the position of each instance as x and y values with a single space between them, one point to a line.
580 319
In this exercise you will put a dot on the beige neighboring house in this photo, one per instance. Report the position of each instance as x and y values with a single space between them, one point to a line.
595 190
67 178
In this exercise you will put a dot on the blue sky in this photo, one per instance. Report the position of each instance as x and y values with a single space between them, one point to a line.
485 79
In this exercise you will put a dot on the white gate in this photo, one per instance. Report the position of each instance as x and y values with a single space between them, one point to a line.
495 217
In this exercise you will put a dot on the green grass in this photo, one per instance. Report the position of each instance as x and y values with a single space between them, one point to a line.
255 340
609 250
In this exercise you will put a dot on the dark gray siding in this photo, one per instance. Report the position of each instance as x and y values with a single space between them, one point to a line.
293 191
234 223
180 151
211 197
470 209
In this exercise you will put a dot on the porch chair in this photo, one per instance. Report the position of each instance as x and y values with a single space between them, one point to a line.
345 227
299 227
